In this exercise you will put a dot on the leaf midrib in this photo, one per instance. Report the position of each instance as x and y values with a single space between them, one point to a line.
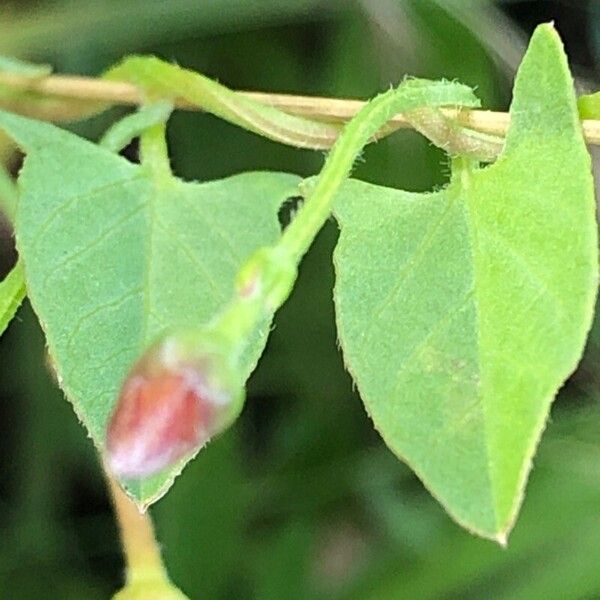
458 191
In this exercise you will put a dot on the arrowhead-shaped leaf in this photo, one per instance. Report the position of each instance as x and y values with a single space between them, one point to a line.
113 258
461 312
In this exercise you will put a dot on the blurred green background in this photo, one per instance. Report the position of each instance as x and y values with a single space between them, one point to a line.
300 499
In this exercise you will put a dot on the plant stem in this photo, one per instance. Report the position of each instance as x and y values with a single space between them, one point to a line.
133 125
326 109
160 79
12 287
8 195
266 280
12 293
142 554
154 152
454 139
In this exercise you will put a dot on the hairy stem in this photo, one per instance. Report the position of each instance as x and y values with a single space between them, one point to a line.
161 79
266 280
447 134
95 94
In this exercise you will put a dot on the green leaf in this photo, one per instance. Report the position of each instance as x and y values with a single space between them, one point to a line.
461 312
12 293
114 256
589 106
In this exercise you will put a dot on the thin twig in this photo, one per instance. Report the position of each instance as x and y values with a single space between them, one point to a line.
141 550
326 109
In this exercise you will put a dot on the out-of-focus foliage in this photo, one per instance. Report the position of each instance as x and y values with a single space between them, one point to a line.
300 499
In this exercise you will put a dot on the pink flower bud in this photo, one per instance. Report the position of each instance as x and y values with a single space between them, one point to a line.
172 402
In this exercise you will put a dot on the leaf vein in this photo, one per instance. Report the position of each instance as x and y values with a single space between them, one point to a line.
116 302
218 231
39 235
217 293
418 255
90 245
444 321
522 263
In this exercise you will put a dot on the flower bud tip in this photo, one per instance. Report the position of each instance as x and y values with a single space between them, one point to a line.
171 403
